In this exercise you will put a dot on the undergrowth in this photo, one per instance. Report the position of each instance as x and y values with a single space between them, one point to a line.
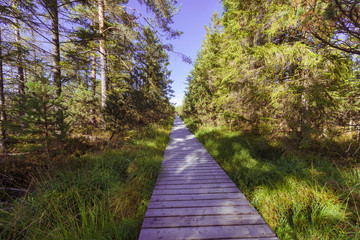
300 195
100 196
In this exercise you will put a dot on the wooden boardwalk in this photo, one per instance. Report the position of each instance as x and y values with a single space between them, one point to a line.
195 199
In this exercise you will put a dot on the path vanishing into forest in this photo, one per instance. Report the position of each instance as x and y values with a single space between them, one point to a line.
195 199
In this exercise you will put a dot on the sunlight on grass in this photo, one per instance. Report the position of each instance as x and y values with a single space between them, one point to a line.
104 197
301 196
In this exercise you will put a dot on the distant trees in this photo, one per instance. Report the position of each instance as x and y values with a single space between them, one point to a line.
54 57
259 70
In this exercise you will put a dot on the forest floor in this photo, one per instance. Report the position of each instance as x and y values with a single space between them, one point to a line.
301 194
99 195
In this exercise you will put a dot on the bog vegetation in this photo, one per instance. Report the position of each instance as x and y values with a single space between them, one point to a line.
79 79
274 97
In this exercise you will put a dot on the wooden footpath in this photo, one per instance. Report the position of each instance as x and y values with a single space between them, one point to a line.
195 199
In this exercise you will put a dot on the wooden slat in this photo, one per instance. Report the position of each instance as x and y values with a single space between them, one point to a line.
195 191
192 174
162 177
196 186
198 221
200 211
193 161
168 180
200 167
199 203
216 232
197 196
190 169
195 165
171 165
193 180
193 170
185 158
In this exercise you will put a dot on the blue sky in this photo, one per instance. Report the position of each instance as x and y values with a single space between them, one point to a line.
193 16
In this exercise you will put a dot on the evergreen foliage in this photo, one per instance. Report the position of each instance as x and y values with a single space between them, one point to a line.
258 70
41 124
137 83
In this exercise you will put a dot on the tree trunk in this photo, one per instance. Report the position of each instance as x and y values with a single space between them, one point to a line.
2 103
93 75
93 85
103 63
20 68
56 69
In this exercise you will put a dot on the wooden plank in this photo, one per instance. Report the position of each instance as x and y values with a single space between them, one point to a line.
188 171
196 165
192 174
193 180
195 186
200 211
189 180
176 165
195 191
200 203
192 166
198 221
197 197
192 169
213 232
192 151
193 144
182 166
189 161
187 158
187 177
192 177
185 149
171 153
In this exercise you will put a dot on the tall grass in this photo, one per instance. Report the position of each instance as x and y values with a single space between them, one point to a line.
100 196
300 195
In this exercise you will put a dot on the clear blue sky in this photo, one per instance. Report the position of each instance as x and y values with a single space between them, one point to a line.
191 20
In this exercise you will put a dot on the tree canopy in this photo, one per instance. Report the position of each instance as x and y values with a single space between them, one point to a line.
263 68
76 68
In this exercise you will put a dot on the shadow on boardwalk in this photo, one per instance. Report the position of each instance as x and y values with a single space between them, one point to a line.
195 199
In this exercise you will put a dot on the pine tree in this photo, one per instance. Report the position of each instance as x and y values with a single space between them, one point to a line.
42 126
